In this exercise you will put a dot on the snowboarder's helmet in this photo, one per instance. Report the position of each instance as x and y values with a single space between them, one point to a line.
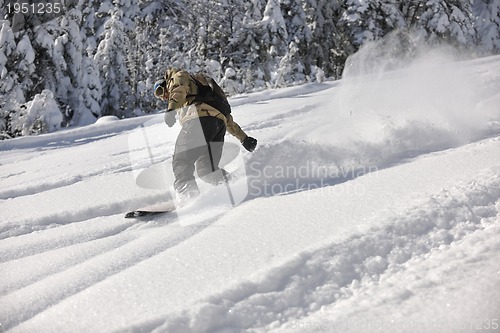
160 88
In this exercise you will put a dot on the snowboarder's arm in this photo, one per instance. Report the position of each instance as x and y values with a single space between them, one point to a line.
234 129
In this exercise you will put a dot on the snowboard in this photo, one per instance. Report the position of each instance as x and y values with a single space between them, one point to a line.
144 213
153 210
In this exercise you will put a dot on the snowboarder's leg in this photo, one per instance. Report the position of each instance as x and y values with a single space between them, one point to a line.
192 148
207 165
183 161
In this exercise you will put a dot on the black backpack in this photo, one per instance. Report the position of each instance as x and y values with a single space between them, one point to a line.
211 94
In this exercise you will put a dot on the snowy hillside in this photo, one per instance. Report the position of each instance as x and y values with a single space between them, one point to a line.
93 58
371 205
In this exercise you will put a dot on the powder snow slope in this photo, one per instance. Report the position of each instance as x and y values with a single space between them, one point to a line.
363 213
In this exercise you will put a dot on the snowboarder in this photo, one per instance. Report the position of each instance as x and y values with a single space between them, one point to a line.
204 115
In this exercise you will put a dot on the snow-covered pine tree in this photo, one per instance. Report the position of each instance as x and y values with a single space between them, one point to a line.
25 83
157 37
139 28
8 79
7 49
142 59
291 68
52 72
451 21
273 40
211 24
198 34
329 45
487 22
370 20
38 116
70 49
229 83
246 44
90 107
111 60
229 20
91 21
24 67
41 113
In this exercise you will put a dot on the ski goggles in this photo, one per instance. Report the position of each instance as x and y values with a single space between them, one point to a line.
160 89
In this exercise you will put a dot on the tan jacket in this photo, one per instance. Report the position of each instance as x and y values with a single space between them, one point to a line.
182 92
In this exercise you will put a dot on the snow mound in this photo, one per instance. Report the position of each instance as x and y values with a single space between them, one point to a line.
106 120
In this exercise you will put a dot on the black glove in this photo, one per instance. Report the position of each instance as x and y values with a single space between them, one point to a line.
249 143
170 118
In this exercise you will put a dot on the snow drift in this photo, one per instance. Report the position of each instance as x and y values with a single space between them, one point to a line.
398 99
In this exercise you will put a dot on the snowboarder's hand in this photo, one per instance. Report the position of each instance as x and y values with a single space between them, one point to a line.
170 118
249 143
